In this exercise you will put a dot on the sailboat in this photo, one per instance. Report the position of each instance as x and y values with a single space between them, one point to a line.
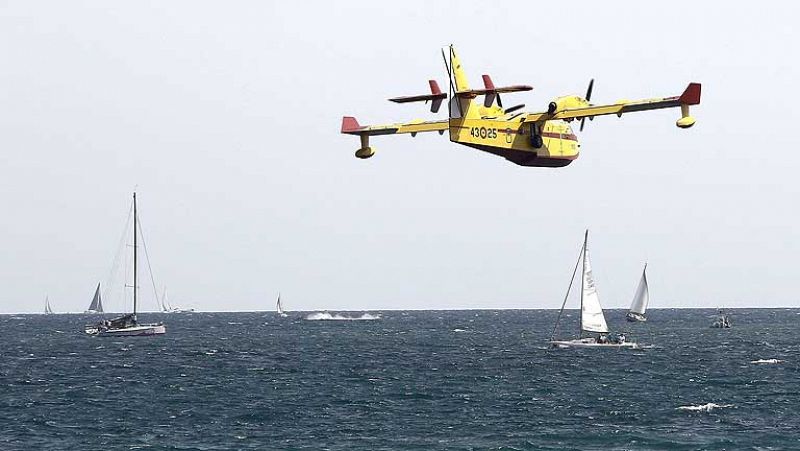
127 325
97 304
47 309
166 307
640 300
592 319
279 307
722 321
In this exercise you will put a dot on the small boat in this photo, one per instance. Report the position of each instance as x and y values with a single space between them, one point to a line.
592 320
97 304
722 321
640 300
279 307
166 307
47 309
127 325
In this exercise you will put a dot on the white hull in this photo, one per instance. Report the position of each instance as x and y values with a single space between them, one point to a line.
135 331
590 343
91 312
635 318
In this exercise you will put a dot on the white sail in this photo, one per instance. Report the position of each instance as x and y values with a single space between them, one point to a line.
642 296
165 307
47 309
279 306
592 319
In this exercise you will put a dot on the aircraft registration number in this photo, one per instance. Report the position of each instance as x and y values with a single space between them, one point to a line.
483 132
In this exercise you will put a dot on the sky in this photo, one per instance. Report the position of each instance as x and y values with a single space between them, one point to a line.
225 117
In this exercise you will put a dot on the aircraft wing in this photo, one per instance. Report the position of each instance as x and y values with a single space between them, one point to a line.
350 126
691 96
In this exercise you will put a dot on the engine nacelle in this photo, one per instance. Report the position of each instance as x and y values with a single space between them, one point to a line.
365 152
565 103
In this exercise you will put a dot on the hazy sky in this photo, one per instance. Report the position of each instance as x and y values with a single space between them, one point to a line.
226 116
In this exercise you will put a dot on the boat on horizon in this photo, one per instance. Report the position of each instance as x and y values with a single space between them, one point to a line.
166 307
127 325
592 319
96 306
47 309
641 298
722 321
279 307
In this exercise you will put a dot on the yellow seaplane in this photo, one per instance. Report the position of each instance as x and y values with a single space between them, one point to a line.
543 139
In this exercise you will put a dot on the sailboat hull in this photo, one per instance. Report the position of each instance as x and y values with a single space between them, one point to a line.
140 330
635 318
590 343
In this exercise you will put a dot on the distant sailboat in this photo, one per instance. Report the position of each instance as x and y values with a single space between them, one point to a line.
592 318
279 307
97 304
640 300
722 321
47 309
127 325
166 307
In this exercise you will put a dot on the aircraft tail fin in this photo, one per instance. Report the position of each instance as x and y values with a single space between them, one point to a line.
459 76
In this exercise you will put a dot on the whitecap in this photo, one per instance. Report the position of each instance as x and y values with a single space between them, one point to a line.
765 361
704 407
459 330
325 316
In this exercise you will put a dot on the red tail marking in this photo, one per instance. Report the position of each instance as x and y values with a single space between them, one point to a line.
487 83
691 96
434 87
350 124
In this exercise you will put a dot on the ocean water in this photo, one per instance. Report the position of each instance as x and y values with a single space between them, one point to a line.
416 380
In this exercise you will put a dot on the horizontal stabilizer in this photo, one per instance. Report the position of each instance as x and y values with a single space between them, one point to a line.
436 96
490 88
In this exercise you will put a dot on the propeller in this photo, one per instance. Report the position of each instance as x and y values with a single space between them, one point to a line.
588 98
515 108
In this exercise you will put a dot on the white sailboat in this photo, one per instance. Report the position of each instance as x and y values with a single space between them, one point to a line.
592 319
166 307
47 309
641 298
279 307
127 325
96 306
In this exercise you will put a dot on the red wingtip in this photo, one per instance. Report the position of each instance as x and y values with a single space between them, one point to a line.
487 83
434 87
350 124
691 96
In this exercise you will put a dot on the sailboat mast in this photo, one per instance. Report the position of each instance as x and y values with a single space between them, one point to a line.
583 279
135 281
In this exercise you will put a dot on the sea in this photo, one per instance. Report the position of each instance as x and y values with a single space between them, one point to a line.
401 380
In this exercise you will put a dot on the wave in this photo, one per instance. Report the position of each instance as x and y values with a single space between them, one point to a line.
704 407
765 361
325 316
